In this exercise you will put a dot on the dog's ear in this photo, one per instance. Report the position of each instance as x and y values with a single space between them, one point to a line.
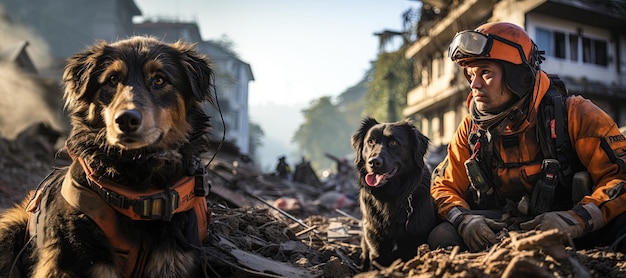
199 72
78 73
359 136
419 151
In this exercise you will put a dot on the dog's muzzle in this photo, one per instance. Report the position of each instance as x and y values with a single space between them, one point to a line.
128 121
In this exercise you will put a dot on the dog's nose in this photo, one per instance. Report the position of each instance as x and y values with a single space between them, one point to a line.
128 120
375 162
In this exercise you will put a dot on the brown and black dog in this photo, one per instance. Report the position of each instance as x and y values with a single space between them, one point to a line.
398 210
132 203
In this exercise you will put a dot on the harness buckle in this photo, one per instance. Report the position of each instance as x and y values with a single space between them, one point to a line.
202 185
113 198
158 206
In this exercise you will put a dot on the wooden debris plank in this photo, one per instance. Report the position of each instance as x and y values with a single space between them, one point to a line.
336 231
262 264
310 229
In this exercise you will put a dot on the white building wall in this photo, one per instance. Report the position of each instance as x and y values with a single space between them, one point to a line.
576 69
234 77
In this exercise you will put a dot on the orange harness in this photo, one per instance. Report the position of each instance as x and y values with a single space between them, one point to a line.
151 204
105 198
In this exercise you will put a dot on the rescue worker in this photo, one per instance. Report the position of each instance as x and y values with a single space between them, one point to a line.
282 168
496 174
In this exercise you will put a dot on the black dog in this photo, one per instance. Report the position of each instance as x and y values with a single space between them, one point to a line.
132 203
398 210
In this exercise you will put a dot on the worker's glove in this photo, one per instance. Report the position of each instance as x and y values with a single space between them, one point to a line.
566 221
478 232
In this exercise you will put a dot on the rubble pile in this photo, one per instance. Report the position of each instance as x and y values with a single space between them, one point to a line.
266 226
528 254
26 159
256 241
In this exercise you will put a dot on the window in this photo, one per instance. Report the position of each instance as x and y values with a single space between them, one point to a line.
544 41
586 50
573 47
600 49
559 45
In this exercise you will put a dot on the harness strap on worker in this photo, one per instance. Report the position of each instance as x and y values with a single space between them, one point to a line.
483 185
552 131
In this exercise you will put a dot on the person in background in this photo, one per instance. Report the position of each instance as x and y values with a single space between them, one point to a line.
282 169
502 169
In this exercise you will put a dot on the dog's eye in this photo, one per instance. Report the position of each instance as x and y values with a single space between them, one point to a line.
371 142
158 82
113 80
393 143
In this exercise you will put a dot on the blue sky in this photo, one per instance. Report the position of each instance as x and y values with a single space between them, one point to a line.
298 50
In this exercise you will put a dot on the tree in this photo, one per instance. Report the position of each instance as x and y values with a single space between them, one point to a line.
325 130
351 102
386 93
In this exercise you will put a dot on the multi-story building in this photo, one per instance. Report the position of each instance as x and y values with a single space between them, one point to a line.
585 44
232 78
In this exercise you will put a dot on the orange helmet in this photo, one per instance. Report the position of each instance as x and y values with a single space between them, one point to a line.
503 42
495 40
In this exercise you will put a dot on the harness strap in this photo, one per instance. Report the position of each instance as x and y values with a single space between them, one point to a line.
37 206
564 150
90 203
151 204
552 131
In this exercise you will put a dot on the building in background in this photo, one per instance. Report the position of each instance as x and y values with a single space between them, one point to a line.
233 77
585 44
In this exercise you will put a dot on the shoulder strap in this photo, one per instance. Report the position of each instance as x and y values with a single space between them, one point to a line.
552 130
37 206
483 189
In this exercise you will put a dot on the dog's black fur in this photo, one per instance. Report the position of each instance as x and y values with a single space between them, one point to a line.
389 158
137 118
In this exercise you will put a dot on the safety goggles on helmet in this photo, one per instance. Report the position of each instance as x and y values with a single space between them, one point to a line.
473 44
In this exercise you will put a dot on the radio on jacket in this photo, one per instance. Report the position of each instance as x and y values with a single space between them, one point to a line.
477 180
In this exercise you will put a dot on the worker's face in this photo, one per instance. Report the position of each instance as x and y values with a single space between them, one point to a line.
488 88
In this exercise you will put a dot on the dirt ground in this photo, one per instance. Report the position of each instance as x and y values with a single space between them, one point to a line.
264 226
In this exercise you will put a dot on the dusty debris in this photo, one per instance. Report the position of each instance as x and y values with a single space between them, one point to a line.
528 254
256 231
251 236
27 159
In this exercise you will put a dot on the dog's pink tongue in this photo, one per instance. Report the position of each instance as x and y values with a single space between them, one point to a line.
373 179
